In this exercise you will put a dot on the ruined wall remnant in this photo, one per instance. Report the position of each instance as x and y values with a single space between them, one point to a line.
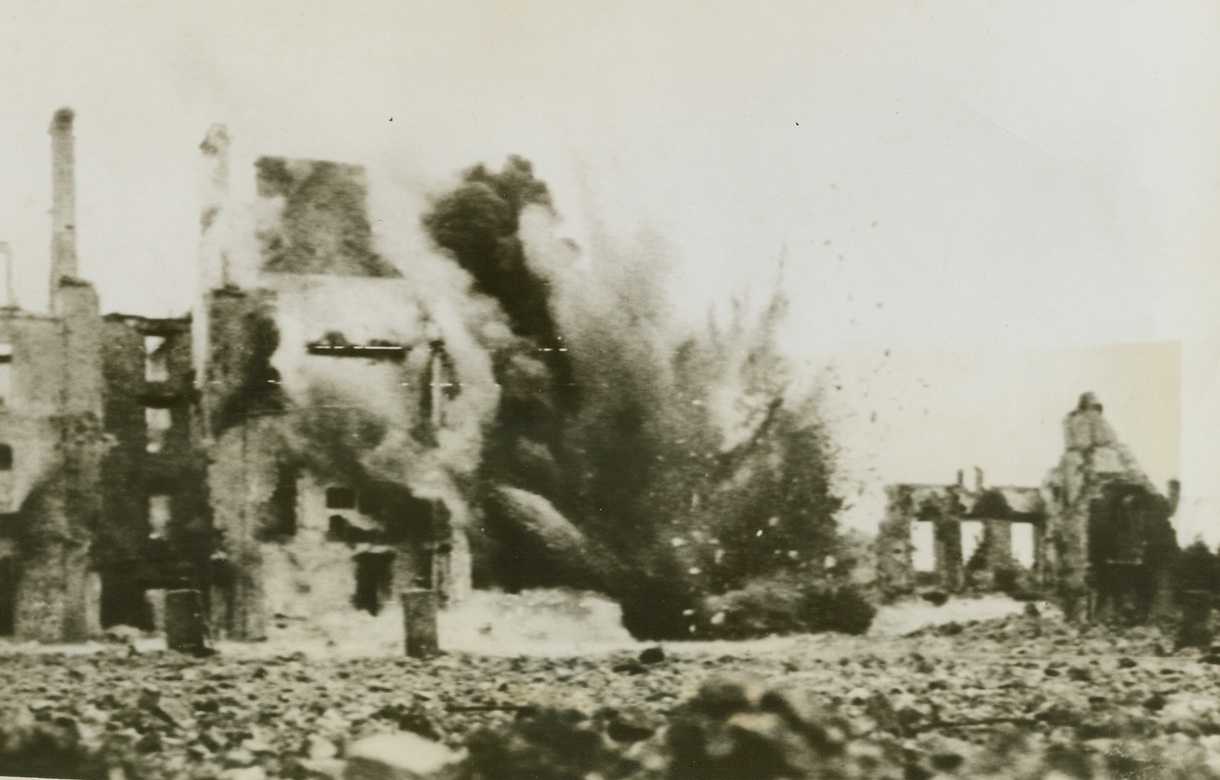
240 381
894 550
992 566
43 550
155 531
947 540
300 429
1103 543
1114 545
340 546
242 479
51 446
997 543
295 421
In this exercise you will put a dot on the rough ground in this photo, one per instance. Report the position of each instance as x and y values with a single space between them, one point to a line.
1018 696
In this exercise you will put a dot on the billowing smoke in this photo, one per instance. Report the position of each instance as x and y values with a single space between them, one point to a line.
602 445
412 416
686 459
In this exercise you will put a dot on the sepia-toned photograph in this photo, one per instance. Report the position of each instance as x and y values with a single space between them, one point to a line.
675 390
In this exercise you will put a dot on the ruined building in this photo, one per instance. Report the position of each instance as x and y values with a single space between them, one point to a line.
1099 532
946 509
154 521
1112 544
51 439
324 398
288 448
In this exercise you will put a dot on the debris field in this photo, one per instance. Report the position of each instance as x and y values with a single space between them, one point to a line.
1022 696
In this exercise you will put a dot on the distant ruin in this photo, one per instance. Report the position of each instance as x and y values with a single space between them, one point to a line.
945 508
1100 534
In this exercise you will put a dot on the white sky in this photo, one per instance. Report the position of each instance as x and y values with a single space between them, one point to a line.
1000 179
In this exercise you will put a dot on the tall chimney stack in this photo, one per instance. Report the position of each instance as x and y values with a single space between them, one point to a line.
214 271
63 198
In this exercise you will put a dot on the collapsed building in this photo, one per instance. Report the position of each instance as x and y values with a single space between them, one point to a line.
1099 533
298 444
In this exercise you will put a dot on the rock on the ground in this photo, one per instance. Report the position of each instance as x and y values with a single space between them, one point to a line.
401 756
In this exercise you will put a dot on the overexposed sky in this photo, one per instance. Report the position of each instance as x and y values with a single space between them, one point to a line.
997 179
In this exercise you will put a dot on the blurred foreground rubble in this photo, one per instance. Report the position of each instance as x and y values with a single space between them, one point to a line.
1018 697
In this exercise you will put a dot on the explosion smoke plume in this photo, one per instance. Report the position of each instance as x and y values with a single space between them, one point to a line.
703 468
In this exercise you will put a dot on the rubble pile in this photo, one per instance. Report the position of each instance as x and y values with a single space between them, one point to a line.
1021 697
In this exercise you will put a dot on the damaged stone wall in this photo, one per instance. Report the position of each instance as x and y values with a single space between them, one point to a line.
1099 494
242 483
1104 547
239 381
992 566
894 549
320 373
311 572
323 545
52 444
56 521
156 529
344 555
287 424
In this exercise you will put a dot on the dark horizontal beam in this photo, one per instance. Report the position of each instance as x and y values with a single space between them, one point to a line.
370 351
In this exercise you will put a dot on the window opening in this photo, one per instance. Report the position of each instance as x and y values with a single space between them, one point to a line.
284 501
6 372
340 498
972 538
1023 544
336 528
158 516
923 543
156 362
158 422
374 575
8 595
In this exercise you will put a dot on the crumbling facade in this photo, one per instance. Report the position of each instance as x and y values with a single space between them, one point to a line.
325 394
285 449
1103 545
1112 544
946 508
51 440
155 528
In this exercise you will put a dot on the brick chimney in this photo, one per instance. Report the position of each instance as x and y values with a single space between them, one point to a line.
63 198
214 271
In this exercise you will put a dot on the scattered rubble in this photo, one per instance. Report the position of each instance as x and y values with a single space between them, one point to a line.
1024 696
